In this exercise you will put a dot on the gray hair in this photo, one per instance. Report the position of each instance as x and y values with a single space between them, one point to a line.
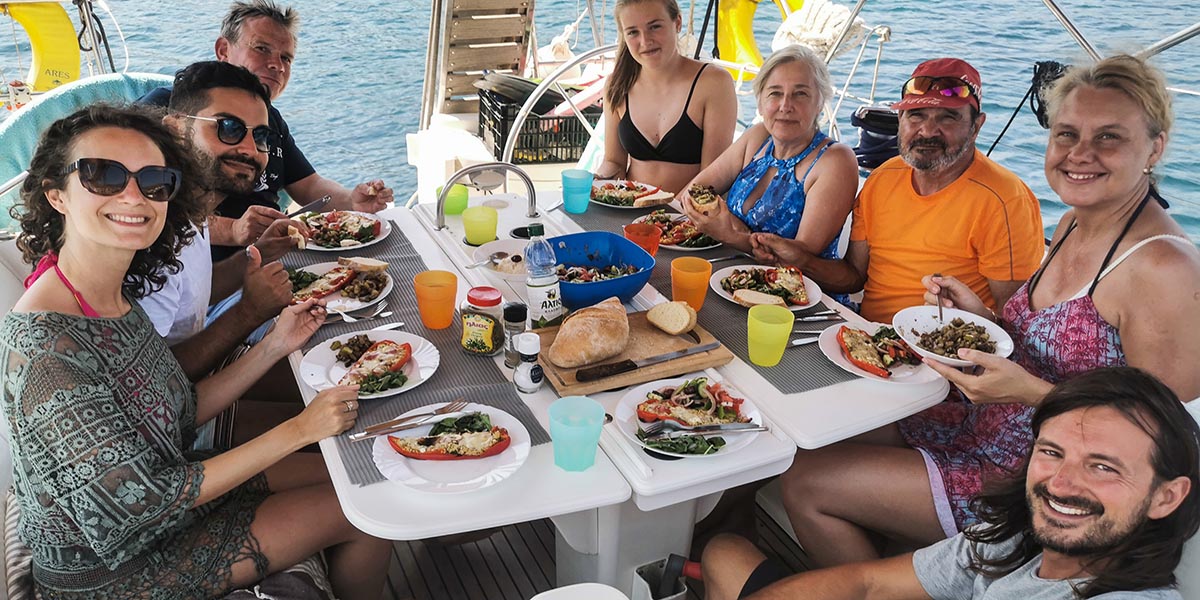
800 54
244 10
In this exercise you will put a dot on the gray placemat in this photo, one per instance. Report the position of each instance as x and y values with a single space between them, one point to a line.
802 368
475 378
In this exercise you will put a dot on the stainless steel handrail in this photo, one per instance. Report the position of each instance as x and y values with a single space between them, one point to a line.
510 144
8 186
532 212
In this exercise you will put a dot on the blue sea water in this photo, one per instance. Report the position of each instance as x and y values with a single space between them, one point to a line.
359 68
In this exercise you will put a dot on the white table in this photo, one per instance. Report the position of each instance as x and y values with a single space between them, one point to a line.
628 509
537 490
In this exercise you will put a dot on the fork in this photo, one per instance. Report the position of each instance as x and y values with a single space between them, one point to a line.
660 425
374 311
408 421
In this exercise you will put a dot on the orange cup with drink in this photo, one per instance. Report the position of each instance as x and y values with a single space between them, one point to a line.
646 235
436 291
689 280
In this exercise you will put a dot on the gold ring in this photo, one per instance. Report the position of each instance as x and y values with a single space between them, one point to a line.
348 406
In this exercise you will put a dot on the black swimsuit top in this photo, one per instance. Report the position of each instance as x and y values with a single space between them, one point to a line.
680 145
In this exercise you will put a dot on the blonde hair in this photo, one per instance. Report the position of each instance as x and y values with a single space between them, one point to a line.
1130 75
625 73
804 55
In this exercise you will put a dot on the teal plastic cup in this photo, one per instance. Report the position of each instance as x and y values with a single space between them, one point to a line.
575 423
456 200
577 190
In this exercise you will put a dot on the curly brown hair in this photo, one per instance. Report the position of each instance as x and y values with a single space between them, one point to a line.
42 226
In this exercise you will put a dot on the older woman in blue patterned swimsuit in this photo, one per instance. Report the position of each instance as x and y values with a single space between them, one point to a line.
101 416
782 176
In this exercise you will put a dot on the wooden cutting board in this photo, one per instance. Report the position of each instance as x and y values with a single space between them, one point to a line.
645 340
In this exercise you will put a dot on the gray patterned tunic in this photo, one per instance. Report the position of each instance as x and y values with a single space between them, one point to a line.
99 414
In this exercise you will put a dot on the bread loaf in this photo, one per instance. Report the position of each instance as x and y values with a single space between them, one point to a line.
591 335
753 298
672 317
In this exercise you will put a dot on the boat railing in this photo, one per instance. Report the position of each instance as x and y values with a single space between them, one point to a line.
551 80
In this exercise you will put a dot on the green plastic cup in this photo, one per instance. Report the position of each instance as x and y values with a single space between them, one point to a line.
768 328
456 200
479 223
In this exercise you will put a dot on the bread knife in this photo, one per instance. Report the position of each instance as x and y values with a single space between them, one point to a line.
602 371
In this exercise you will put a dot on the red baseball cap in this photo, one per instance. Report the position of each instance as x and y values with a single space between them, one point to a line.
938 68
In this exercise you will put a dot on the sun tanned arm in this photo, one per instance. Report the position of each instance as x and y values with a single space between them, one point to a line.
888 579
843 276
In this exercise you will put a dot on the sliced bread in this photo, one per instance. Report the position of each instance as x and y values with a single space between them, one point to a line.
672 317
753 298
362 264
297 237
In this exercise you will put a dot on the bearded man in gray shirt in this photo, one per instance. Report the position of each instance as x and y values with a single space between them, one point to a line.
1108 497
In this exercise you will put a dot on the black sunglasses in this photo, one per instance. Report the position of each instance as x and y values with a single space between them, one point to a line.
109 178
231 130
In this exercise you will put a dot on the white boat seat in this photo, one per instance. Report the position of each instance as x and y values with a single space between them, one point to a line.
582 591
20 133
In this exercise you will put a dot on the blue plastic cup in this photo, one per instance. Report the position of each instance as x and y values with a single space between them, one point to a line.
577 190
575 423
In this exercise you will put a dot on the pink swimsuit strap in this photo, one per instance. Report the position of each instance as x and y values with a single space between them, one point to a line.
50 261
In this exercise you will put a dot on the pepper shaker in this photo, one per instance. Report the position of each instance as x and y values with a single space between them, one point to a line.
515 314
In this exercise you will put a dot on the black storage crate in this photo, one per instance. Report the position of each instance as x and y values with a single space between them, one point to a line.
541 140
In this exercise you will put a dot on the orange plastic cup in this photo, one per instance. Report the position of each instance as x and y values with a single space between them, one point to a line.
646 235
436 291
689 280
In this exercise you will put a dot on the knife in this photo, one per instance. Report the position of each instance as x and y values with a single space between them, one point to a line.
602 371
314 206
816 318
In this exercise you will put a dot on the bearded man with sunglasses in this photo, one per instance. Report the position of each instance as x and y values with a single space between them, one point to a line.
260 35
939 207
220 111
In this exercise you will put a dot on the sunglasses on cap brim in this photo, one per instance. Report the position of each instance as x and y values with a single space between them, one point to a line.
231 131
109 177
950 87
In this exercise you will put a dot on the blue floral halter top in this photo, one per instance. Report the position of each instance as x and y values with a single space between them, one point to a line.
779 209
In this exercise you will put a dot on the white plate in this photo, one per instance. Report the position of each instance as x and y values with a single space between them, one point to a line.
384 230
320 369
336 299
911 322
904 373
679 217
810 287
658 195
512 247
626 417
454 476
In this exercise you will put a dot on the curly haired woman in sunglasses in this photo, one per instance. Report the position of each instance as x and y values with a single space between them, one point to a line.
101 416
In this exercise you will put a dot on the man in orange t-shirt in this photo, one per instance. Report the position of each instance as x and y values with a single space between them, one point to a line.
940 207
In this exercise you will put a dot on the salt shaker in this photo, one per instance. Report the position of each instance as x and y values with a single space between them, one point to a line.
515 314
528 376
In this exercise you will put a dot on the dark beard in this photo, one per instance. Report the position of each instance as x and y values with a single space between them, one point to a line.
1103 537
219 181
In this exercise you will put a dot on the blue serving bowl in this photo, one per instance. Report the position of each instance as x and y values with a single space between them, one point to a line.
600 249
